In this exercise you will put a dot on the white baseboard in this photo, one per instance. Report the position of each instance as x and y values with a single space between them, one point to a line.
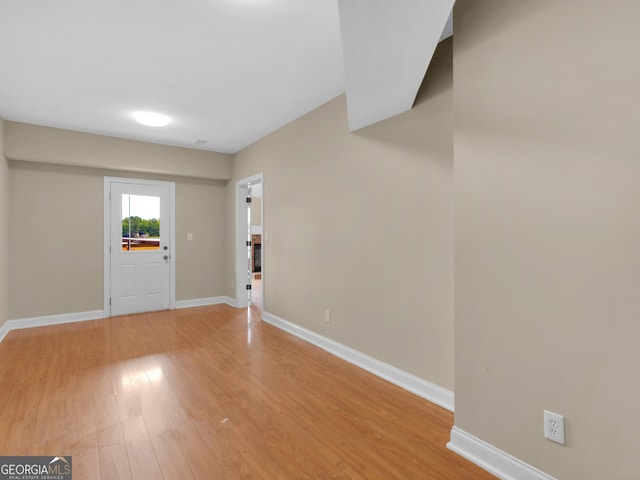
203 302
95 315
422 388
3 331
49 320
492 459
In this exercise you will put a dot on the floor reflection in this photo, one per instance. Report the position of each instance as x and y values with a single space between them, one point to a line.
152 376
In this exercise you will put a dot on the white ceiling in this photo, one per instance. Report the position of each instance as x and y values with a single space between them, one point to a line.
226 71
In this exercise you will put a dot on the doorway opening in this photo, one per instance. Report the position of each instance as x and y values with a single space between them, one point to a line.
250 272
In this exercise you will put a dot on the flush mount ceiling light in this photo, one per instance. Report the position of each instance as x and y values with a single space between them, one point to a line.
151 119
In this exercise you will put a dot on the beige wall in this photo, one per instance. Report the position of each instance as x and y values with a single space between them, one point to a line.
34 143
362 224
200 210
57 276
256 211
4 231
50 272
547 230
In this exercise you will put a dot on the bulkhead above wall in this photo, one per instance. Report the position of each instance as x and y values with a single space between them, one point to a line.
34 143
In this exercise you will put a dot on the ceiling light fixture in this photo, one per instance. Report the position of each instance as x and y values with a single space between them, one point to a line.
151 119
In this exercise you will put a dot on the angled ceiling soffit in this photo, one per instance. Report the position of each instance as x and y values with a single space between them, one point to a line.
387 47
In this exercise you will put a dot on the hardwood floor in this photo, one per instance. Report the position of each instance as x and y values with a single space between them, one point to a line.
211 393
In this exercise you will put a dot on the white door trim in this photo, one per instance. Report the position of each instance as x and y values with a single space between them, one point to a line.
107 236
240 234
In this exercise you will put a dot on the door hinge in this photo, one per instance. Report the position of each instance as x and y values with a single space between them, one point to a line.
109 248
109 301
248 243
248 199
249 287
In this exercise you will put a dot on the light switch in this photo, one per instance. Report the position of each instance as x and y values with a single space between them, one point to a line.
189 237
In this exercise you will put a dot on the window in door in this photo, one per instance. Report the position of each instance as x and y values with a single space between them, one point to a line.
140 222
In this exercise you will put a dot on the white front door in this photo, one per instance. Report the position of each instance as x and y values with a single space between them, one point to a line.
140 250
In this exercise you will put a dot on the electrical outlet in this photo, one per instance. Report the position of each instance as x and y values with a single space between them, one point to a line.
327 315
554 427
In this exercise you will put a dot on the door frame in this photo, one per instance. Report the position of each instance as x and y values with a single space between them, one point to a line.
107 236
240 238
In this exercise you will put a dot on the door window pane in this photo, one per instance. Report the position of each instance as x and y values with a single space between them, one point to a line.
140 222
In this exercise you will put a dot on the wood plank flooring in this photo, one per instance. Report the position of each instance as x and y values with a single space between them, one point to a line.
211 393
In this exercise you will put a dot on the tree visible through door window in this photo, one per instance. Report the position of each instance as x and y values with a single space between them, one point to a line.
140 222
